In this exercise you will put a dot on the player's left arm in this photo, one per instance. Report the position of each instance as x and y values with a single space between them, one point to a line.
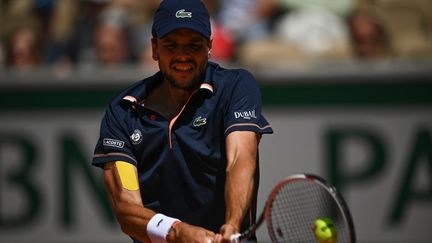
241 149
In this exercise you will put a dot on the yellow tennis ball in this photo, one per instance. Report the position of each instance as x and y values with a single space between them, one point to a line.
324 230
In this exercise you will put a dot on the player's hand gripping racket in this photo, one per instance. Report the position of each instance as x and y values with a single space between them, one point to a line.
304 208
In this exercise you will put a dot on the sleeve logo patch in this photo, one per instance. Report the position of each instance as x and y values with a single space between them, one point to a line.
113 143
245 114
136 136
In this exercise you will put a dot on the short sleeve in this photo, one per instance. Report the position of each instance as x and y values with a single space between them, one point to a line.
113 143
244 106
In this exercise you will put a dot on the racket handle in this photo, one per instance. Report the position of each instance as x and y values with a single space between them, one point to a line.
235 238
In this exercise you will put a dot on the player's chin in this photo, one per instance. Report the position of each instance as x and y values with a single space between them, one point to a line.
184 84
188 82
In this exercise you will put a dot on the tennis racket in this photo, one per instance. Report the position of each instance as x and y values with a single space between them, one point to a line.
304 208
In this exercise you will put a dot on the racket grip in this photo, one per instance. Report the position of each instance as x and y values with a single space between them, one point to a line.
235 238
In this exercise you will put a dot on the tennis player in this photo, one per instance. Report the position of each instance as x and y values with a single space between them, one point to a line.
179 149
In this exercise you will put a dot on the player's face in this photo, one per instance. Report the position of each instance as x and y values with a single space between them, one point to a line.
182 56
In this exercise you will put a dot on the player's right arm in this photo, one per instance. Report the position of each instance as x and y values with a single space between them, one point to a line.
126 201
121 181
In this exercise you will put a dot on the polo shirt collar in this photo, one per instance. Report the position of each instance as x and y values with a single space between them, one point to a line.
137 95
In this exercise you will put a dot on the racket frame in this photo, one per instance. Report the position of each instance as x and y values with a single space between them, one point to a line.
265 215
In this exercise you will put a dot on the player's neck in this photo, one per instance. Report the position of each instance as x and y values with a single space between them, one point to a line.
167 99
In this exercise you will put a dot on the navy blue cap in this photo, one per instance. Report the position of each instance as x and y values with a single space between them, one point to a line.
176 14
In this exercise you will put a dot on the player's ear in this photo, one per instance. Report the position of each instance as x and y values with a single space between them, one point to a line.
210 43
155 54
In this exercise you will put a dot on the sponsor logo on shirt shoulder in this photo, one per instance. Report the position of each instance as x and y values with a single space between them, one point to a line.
199 121
245 114
136 137
113 143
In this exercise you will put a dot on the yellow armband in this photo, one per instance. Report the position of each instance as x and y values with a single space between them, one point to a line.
128 175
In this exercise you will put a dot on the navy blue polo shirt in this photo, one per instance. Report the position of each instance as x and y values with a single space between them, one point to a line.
181 163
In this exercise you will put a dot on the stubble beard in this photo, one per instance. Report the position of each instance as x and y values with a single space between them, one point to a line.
189 86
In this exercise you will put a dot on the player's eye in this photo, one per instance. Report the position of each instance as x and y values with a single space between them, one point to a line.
169 45
195 46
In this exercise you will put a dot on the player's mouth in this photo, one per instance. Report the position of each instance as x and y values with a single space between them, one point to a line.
183 67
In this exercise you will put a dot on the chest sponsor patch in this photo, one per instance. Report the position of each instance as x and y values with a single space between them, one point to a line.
113 143
245 114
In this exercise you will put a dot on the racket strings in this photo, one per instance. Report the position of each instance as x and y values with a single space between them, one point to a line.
296 207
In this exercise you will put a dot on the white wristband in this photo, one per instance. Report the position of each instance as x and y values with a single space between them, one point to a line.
158 227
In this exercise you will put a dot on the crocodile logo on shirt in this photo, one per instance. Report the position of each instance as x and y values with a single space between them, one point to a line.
199 121
182 14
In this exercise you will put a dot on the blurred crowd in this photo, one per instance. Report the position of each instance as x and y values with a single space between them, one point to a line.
255 33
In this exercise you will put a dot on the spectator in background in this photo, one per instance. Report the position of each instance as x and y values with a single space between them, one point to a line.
36 14
111 38
139 22
21 32
72 28
23 45
301 32
368 37
125 25
407 26
234 22
96 32
61 29
239 17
